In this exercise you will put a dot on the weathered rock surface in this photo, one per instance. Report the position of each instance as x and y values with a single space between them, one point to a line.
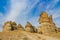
46 24
30 28
19 27
50 19
9 26
43 17
23 35
58 29
47 30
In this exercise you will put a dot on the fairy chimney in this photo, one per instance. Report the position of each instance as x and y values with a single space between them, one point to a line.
43 17
30 28
46 24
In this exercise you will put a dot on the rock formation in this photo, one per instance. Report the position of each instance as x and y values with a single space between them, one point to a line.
50 19
19 27
58 29
9 26
12 31
30 28
43 17
46 24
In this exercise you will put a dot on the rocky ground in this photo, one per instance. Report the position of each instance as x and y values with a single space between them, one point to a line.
23 35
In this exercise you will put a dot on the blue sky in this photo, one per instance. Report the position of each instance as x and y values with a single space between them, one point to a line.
22 11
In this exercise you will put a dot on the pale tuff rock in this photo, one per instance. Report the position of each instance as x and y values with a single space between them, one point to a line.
19 27
9 26
58 29
43 17
12 31
13 26
30 28
50 19
46 24
46 28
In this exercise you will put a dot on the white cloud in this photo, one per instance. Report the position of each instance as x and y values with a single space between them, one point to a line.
19 10
16 8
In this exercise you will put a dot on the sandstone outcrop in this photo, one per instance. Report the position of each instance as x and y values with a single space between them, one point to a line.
58 29
50 19
12 31
19 27
46 24
9 26
43 17
30 28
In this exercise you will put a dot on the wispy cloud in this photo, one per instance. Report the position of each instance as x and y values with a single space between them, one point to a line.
16 8
34 21
52 4
19 10
55 13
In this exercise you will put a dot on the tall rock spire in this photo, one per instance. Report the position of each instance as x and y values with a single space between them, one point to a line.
46 23
43 17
